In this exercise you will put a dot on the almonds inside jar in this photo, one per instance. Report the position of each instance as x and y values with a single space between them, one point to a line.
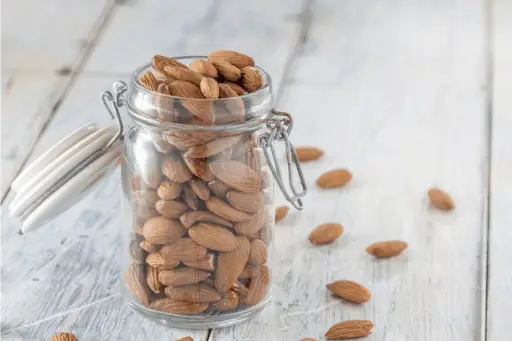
201 210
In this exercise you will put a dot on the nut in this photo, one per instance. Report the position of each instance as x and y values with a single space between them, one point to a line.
349 329
334 178
386 249
325 233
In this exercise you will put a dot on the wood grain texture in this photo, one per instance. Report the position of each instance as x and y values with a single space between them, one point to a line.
396 92
265 30
500 236
43 45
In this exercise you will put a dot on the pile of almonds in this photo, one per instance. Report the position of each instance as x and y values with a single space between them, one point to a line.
200 199
223 75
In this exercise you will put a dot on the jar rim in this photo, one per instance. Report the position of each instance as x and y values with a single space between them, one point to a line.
138 71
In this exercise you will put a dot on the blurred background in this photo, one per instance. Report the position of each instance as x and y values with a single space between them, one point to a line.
407 94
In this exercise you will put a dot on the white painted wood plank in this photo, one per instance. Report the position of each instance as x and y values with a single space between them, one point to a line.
110 319
265 30
47 35
500 252
75 260
393 91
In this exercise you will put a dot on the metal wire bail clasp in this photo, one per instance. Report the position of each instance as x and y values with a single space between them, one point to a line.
117 101
280 126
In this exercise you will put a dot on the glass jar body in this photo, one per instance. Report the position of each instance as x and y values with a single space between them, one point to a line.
199 216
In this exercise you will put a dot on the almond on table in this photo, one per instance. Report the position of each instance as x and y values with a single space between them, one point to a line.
325 233
349 329
305 154
333 179
440 199
350 291
281 213
386 249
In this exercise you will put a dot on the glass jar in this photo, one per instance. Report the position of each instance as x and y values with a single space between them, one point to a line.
198 200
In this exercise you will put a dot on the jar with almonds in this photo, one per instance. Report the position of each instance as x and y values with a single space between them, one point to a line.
198 167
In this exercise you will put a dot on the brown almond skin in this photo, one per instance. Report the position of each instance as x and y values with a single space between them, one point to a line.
281 212
236 88
190 218
258 254
226 69
251 79
213 147
440 199
184 249
231 264
386 249
237 175
238 59
152 279
349 329
156 260
350 291
218 188
224 210
169 190
197 166
204 67
193 293
149 81
200 189
308 339
213 237
247 202
325 233
206 263
334 179
258 287
175 169
161 230
171 306
250 271
136 283
251 226
148 247
229 301
171 208
63 337
186 338
210 88
306 154
182 276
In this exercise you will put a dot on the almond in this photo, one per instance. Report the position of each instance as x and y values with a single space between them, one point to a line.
186 139
136 283
325 233
210 88
190 218
181 276
165 108
306 154
208 175
247 202
148 247
240 289
201 109
251 78
266 234
213 237
144 213
192 100
226 91
223 210
308 339
184 89
258 253
161 230
349 329
182 74
186 338
204 67
193 293
386 249
197 166
185 249
152 279
250 271
212 147
160 61
228 301
190 198
158 261
206 263
350 291
440 199
334 178
63 337
237 175
281 212
169 190
171 208
200 189
136 252
238 59
174 168
218 188
231 264
258 287
236 88
226 69
224 155
168 305
251 226
148 81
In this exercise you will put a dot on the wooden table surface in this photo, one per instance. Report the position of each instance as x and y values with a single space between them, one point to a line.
406 94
